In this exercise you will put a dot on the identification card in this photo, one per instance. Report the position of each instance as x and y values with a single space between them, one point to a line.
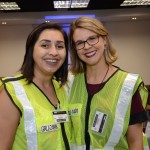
99 122
60 116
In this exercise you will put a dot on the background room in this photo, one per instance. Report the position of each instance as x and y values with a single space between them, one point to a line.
128 28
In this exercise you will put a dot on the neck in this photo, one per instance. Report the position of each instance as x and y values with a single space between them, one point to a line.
97 75
42 79
42 82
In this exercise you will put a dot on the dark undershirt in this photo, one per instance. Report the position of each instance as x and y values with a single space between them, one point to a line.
137 114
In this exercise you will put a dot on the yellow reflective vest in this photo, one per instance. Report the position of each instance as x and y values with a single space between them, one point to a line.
105 116
37 129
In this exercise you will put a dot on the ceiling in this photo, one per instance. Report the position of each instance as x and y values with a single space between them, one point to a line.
47 5
33 11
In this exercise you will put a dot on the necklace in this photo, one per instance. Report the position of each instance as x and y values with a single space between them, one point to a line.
105 74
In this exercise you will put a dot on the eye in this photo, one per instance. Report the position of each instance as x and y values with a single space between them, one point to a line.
60 46
45 45
92 38
79 43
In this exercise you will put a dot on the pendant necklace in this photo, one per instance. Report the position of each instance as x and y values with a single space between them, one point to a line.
105 74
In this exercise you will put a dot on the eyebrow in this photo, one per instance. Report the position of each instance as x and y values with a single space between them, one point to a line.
45 40
86 39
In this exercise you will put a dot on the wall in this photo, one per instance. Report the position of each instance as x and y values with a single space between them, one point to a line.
130 38
132 41
12 48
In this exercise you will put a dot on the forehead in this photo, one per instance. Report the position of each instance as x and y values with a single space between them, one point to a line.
51 34
82 34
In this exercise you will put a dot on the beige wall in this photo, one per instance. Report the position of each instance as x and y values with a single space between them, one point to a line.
130 38
132 41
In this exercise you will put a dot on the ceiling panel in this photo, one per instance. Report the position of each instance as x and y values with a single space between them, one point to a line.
34 11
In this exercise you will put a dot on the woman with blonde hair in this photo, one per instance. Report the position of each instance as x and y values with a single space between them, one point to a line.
106 102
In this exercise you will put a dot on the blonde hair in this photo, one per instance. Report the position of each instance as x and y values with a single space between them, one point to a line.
92 24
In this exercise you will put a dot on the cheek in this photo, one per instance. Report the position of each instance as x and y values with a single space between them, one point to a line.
34 55
64 53
101 46
79 54
37 55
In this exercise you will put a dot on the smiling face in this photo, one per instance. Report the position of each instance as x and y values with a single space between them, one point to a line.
91 55
49 52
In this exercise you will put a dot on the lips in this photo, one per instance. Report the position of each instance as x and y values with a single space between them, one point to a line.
90 54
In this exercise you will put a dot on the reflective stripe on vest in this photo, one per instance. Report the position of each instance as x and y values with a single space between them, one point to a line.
121 109
122 106
82 147
29 116
146 147
76 147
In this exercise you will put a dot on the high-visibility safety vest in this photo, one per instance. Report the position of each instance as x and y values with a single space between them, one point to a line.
145 142
37 129
105 116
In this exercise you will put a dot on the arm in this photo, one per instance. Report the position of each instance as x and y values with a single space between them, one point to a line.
9 119
135 137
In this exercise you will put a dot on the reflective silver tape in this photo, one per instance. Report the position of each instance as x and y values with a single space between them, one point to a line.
122 106
146 148
77 147
29 116
83 147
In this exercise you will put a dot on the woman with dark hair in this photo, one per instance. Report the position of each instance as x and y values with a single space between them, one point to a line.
106 103
33 104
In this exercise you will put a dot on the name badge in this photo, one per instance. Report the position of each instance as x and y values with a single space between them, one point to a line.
60 116
74 111
49 127
99 122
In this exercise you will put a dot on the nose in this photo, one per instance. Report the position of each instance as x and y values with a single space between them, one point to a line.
86 45
53 50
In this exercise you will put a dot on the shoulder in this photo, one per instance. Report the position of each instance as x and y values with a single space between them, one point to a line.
69 82
129 75
11 79
74 77
70 79
9 82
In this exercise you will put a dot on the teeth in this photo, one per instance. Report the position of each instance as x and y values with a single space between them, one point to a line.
90 54
52 60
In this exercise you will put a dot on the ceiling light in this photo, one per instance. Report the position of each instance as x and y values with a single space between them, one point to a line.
9 6
47 21
4 22
133 18
135 2
79 3
71 4
61 4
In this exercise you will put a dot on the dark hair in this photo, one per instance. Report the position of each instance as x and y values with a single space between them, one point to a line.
27 68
